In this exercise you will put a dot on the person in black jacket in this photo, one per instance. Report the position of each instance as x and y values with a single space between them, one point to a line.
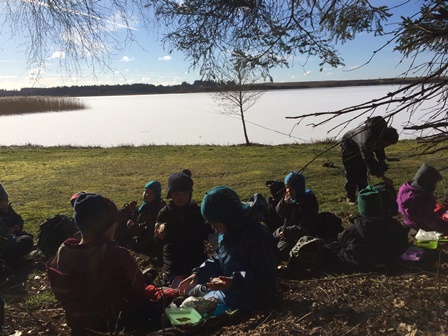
373 238
137 223
299 209
15 242
180 229
362 151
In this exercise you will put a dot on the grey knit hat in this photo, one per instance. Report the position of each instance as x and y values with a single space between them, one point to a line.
427 177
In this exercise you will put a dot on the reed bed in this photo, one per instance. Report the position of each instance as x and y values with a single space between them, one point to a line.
39 104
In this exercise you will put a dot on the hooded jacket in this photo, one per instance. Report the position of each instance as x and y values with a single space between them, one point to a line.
417 207
300 217
247 253
364 141
371 240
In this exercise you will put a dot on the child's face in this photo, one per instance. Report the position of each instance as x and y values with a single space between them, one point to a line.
4 204
148 195
291 192
180 198
220 227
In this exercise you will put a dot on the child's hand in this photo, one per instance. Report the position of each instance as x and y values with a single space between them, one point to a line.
220 283
187 284
133 206
160 231
129 223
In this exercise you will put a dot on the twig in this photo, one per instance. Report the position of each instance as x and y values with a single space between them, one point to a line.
348 332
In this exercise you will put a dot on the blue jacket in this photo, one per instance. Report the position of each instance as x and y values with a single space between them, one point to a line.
247 253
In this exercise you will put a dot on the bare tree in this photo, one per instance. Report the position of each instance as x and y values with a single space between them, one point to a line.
269 33
76 33
416 38
238 91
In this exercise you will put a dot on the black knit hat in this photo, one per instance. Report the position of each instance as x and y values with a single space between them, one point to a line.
179 182
94 214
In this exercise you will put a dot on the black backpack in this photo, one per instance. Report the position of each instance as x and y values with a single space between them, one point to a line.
53 232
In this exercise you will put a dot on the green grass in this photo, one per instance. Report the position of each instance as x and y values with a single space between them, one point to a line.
40 180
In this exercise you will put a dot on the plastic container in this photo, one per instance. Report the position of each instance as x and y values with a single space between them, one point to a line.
429 244
183 318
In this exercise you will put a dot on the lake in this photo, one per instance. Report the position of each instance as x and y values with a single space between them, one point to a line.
189 119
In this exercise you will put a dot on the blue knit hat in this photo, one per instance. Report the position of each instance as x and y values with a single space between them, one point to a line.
94 214
222 205
370 202
297 181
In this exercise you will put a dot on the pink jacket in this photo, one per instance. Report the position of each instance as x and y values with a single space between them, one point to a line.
417 206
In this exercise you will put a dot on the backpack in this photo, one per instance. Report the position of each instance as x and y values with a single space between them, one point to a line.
389 196
328 226
53 232
306 254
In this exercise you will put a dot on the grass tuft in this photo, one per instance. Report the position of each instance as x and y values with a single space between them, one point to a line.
39 104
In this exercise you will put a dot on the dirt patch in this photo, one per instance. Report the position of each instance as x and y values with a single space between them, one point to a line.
410 298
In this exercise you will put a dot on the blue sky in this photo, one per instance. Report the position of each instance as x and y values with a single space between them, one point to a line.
147 62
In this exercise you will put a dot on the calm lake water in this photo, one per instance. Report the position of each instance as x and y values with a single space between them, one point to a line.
184 119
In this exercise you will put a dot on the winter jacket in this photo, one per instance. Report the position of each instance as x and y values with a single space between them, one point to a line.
15 243
183 244
364 141
94 282
11 218
142 231
417 206
300 217
371 240
247 253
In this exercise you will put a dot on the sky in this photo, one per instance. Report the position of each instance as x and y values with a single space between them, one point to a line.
147 62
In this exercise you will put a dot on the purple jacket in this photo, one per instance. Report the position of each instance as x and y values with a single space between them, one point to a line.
417 206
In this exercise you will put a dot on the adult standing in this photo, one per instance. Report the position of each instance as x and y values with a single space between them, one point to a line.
362 151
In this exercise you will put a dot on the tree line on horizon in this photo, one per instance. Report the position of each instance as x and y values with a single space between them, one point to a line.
197 86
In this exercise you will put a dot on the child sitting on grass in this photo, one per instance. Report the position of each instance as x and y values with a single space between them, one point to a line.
417 202
243 273
136 231
180 229
373 238
15 243
97 282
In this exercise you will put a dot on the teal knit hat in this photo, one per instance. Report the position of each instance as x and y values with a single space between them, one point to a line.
297 181
370 202
222 205
156 187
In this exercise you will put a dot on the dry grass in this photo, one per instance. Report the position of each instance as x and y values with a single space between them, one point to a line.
38 104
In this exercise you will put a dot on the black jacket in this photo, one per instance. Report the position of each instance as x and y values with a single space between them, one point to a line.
363 142
183 244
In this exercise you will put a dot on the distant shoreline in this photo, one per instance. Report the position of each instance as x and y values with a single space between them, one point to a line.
197 86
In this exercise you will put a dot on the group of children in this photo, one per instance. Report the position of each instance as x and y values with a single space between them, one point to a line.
99 284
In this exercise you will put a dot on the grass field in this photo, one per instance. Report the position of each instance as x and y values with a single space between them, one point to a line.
41 180
412 300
